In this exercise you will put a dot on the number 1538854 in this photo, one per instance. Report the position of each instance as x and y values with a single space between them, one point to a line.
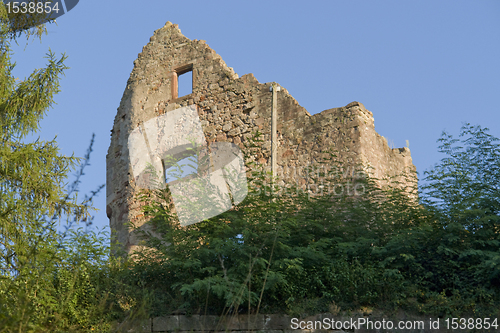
32 7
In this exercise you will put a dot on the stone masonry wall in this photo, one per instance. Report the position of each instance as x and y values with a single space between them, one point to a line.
274 323
231 108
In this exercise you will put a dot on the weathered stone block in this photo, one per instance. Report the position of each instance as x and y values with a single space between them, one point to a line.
252 322
167 323
137 326
277 322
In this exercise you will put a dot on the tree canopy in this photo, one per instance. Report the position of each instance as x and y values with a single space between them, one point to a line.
34 192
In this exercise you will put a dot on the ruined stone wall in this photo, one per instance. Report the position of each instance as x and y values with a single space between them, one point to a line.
231 109
355 322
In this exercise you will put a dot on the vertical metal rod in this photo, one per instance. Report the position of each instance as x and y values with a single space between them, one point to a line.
274 138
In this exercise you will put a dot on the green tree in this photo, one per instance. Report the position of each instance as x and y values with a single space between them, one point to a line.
33 197
32 175
464 193
465 186
452 262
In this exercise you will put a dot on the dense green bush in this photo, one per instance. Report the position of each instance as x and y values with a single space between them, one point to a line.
301 253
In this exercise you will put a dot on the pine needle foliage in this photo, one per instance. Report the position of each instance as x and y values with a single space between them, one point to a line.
49 281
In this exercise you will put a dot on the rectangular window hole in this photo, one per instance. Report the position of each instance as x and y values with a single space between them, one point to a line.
185 82
182 168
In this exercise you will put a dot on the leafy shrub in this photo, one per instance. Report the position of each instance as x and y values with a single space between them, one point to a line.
300 254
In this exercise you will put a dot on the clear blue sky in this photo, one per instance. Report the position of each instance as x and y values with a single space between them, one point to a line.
421 67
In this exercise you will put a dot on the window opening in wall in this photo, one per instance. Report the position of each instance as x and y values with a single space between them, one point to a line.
185 82
183 168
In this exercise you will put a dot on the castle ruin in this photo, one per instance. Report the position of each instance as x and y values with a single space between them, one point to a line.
231 109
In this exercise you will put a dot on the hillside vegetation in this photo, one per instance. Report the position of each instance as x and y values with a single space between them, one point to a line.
291 252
